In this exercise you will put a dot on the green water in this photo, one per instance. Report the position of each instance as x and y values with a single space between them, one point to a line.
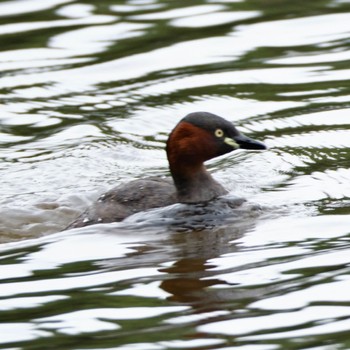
90 91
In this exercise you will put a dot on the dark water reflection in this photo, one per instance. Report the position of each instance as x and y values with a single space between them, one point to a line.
89 94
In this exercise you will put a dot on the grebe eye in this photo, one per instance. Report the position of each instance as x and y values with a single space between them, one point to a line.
219 133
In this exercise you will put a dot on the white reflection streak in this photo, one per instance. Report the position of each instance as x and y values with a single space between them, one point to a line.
27 63
337 291
29 302
226 48
89 320
332 328
296 230
281 272
95 39
67 247
75 11
313 58
212 19
188 11
297 31
8 8
16 332
316 139
81 282
287 319
290 75
24 27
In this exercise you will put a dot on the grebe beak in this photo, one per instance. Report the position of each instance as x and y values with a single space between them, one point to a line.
246 142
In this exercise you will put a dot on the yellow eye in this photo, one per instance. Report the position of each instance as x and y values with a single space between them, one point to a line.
219 133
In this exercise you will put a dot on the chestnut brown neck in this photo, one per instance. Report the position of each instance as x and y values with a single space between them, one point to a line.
188 148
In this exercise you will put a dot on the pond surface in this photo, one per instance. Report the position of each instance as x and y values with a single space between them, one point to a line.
90 91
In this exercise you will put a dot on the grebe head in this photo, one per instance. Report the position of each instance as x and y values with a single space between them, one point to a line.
201 136
195 139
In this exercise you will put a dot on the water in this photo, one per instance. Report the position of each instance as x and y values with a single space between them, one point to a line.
90 91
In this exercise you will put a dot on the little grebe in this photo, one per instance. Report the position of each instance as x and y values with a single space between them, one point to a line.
196 138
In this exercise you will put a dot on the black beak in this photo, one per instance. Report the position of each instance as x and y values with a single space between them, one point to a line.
248 143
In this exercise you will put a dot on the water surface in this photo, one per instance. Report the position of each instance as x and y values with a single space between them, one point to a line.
90 91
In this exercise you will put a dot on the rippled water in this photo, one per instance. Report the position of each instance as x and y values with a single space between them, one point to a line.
90 91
